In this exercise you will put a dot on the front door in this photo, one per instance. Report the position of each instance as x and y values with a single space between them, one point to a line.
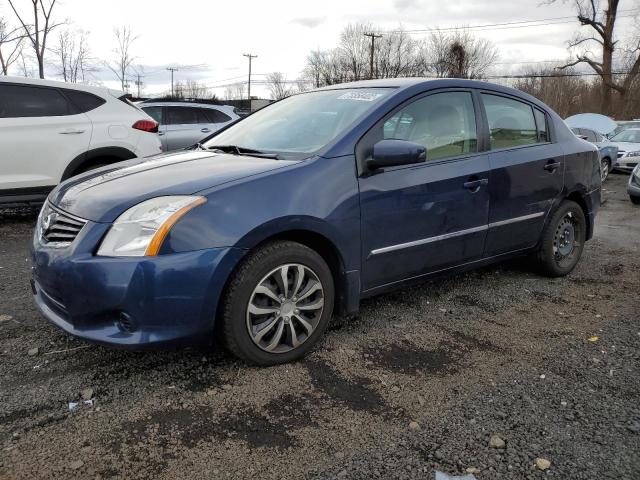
429 216
40 133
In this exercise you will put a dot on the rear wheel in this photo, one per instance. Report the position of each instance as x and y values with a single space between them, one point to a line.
635 200
605 168
278 304
562 240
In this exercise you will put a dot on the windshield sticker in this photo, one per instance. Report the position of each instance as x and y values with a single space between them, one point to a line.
362 96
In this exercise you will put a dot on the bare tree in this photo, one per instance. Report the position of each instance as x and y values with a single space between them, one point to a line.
602 23
74 55
11 43
123 57
37 31
458 54
278 85
237 91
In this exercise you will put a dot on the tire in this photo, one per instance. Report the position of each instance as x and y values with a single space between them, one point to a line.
249 302
562 240
605 169
635 200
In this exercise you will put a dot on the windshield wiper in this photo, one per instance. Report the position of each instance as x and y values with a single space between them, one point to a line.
236 150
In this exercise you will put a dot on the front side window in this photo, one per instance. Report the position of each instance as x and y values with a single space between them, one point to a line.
26 101
511 122
301 124
444 123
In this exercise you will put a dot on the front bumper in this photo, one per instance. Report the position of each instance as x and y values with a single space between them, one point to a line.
626 164
132 302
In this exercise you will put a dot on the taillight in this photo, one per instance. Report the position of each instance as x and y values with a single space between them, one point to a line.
150 126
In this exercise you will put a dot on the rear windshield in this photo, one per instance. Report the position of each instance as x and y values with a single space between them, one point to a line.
302 124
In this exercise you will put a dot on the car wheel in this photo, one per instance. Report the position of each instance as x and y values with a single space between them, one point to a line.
605 168
635 200
278 304
562 240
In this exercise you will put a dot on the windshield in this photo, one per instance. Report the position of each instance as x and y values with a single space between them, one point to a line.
301 124
628 136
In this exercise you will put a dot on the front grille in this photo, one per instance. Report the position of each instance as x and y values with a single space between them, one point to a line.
58 228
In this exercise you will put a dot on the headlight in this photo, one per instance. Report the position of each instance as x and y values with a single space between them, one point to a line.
141 229
633 154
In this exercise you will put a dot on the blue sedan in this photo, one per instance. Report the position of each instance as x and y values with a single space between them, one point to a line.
262 232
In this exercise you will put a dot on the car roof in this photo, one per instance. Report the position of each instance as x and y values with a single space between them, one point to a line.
184 104
101 91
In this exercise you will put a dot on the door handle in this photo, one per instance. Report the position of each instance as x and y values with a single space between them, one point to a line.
474 185
551 166
71 131
205 130
160 134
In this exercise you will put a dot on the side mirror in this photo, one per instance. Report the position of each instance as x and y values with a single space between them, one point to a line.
389 153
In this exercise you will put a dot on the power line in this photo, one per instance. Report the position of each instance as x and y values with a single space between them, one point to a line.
506 25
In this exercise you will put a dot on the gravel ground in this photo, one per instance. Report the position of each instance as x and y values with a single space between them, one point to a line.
484 372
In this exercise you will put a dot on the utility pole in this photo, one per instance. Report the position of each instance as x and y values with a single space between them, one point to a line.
250 57
373 41
172 70
138 83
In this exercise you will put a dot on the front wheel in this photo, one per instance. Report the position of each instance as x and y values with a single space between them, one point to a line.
278 304
562 240
635 200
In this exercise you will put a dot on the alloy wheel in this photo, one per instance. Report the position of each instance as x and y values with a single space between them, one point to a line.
604 169
285 308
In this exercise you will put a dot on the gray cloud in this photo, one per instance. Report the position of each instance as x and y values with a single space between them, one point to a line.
311 22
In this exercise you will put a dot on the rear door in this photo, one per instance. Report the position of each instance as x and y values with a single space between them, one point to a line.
429 216
216 119
185 126
527 172
41 131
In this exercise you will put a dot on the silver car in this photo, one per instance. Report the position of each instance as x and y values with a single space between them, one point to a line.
628 143
183 124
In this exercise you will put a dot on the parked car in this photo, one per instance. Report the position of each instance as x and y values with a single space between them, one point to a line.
628 143
634 186
183 124
625 125
593 121
259 234
50 131
608 151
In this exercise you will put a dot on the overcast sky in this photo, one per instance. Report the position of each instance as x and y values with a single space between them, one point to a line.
206 39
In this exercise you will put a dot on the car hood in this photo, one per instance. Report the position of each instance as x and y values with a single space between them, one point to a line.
593 121
102 195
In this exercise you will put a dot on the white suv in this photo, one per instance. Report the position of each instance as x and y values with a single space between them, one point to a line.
50 131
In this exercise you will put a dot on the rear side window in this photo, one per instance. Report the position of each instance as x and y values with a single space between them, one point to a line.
185 115
444 123
28 101
511 122
541 123
215 116
155 113
83 101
